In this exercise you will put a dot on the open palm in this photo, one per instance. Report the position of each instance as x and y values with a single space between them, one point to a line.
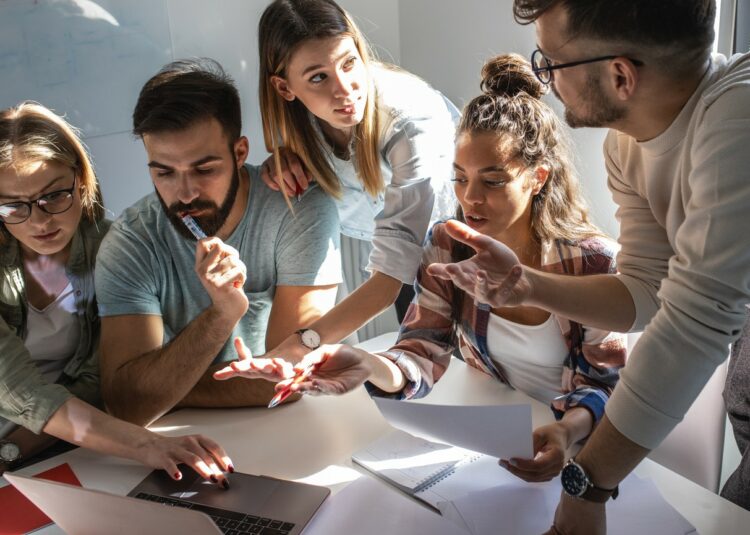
493 275
338 369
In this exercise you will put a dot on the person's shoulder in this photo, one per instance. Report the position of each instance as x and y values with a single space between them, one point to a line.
727 95
140 219
313 201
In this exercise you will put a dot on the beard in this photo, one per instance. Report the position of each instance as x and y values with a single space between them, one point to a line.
213 216
602 112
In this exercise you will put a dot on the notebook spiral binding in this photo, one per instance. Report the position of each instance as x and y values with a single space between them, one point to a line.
440 475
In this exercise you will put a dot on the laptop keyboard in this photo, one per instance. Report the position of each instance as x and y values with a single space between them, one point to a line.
229 522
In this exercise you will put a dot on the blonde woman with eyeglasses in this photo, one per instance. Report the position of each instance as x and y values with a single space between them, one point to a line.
51 225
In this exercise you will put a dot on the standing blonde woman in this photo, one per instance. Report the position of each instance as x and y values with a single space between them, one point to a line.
376 138
51 225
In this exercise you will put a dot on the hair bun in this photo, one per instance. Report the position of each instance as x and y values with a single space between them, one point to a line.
508 75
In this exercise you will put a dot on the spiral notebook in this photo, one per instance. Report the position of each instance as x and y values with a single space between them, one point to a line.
429 471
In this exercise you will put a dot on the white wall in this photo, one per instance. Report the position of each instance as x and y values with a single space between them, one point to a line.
88 59
446 42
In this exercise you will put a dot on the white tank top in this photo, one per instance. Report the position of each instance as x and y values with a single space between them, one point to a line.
531 356
52 334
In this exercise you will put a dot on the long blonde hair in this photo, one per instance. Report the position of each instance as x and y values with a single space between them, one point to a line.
30 134
284 26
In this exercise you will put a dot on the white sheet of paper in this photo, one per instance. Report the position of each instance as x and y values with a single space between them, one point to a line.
370 507
520 507
502 431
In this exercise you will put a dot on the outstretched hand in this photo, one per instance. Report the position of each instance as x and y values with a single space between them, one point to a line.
337 369
276 365
493 275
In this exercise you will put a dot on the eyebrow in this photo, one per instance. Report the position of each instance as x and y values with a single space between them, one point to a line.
206 159
12 198
348 52
490 169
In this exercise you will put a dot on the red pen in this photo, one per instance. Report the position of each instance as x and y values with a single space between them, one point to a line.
287 390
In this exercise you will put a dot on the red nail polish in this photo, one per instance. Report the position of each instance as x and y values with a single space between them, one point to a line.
213 478
177 475
225 484
231 469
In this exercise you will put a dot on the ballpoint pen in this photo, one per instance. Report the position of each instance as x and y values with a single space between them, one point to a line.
287 390
196 231
193 227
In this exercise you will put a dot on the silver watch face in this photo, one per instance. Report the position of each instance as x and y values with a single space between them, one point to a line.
574 480
9 452
310 338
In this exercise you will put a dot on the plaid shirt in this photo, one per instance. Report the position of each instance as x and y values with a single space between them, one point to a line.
426 339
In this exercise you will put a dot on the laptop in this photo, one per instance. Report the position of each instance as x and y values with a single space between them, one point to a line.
253 504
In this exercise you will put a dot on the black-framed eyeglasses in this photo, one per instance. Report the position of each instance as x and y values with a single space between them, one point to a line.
543 68
54 202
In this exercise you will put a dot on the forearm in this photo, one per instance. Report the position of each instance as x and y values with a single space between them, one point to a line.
609 456
599 301
238 393
385 374
83 425
373 297
577 423
145 387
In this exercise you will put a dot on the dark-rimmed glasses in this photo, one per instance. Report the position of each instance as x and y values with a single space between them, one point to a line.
54 202
543 68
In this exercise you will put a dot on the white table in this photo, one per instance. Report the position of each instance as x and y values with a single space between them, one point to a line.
310 438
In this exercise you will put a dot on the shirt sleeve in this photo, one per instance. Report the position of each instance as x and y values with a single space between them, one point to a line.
124 275
706 288
26 399
419 151
426 340
308 251
644 245
591 373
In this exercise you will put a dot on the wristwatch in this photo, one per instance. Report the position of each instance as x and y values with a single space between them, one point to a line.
9 452
309 338
576 483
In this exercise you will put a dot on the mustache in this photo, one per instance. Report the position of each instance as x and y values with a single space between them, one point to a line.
178 208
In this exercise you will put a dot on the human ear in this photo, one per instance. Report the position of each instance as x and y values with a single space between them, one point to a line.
540 178
282 88
241 150
623 75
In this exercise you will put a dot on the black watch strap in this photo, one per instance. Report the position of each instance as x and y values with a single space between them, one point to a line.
598 494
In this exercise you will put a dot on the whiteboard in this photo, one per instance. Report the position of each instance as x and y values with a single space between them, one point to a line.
85 59
88 59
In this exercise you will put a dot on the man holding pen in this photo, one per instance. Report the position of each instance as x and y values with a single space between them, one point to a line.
172 300
677 163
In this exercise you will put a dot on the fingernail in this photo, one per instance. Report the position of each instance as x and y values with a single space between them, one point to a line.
513 462
231 469
225 484
213 478
177 475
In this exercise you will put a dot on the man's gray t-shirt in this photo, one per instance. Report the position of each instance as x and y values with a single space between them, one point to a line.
145 267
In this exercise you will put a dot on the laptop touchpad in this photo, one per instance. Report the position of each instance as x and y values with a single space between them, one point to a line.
244 491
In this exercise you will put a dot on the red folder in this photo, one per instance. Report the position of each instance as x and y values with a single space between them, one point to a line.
19 515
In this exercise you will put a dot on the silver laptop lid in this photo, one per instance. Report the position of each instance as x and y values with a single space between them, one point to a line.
80 511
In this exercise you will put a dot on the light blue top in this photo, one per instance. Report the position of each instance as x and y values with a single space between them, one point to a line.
145 267
417 136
